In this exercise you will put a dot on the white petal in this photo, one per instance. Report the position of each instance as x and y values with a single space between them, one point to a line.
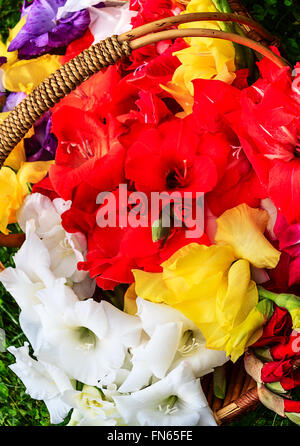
41 380
144 406
85 289
138 378
58 409
106 22
122 326
39 208
61 205
152 315
74 6
23 290
33 257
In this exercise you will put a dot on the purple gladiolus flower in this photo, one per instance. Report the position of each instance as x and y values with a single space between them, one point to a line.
42 31
13 99
42 145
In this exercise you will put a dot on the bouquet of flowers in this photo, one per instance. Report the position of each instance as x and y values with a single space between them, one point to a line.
159 206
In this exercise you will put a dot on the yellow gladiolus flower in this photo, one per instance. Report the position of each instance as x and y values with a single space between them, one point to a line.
14 188
205 58
248 242
25 75
212 286
250 330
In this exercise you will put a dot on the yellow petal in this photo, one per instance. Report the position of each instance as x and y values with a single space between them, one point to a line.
130 297
17 157
242 228
150 286
182 96
182 270
212 288
12 56
9 197
250 330
205 58
236 296
296 318
32 173
25 75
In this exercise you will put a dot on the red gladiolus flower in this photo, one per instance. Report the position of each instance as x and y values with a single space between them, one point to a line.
277 330
148 76
149 11
45 187
291 406
77 46
79 148
276 370
292 381
287 350
174 157
289 242
214 109
270 120
113 251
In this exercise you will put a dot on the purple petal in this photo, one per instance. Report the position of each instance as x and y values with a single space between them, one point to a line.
42 145
13 99
42 32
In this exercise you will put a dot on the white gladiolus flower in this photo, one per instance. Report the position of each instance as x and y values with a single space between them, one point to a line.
32 273
80 418
90 408
65 250
42 210
182 342
153 357
86 338
43 381
176 400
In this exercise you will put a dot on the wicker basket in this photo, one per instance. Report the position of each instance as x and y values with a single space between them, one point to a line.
241 393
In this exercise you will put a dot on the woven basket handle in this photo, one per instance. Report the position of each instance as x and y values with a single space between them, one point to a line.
108 52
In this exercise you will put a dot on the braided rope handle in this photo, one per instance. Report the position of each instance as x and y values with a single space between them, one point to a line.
108 52
55 87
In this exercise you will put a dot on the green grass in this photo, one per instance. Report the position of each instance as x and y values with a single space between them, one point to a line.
9 15
282 17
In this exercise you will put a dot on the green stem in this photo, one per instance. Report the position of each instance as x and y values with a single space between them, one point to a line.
222 6
243 56
288 301
220 382
246 54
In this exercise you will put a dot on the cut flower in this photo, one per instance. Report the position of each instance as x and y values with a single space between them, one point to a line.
212 287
